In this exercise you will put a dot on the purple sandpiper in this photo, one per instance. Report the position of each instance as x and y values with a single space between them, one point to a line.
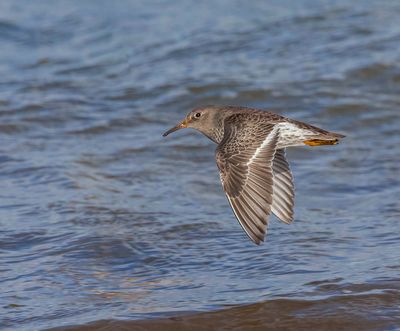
251 159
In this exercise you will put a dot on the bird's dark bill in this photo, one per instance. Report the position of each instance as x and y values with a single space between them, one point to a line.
175 128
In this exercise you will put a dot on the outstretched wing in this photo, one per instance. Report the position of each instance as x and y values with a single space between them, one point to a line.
244 158
283 191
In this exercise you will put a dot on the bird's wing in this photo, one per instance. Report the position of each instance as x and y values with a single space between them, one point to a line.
283 192
244 158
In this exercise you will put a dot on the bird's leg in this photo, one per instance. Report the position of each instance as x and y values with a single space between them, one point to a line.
320 142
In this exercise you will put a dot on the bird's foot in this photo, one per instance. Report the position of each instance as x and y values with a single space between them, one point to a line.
320 142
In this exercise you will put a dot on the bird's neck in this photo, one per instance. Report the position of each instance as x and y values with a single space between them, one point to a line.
215 134
215 128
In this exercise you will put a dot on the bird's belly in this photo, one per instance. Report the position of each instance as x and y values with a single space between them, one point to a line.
292 135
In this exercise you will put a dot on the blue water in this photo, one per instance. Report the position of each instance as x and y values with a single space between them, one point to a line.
102 218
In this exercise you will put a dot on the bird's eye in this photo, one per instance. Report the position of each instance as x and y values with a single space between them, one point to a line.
197 115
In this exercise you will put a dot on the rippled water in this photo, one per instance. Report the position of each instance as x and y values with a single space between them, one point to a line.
102 218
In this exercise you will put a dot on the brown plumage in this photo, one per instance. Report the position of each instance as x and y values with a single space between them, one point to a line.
251 159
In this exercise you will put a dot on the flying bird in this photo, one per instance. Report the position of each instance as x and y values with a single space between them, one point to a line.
250 156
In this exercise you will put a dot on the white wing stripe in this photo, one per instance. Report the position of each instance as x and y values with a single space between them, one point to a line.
266 141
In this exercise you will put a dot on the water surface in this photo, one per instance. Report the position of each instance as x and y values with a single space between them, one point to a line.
103 219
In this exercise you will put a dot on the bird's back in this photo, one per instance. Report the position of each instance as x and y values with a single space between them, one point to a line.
292 132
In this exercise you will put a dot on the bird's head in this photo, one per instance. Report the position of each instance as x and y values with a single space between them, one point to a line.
202 119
